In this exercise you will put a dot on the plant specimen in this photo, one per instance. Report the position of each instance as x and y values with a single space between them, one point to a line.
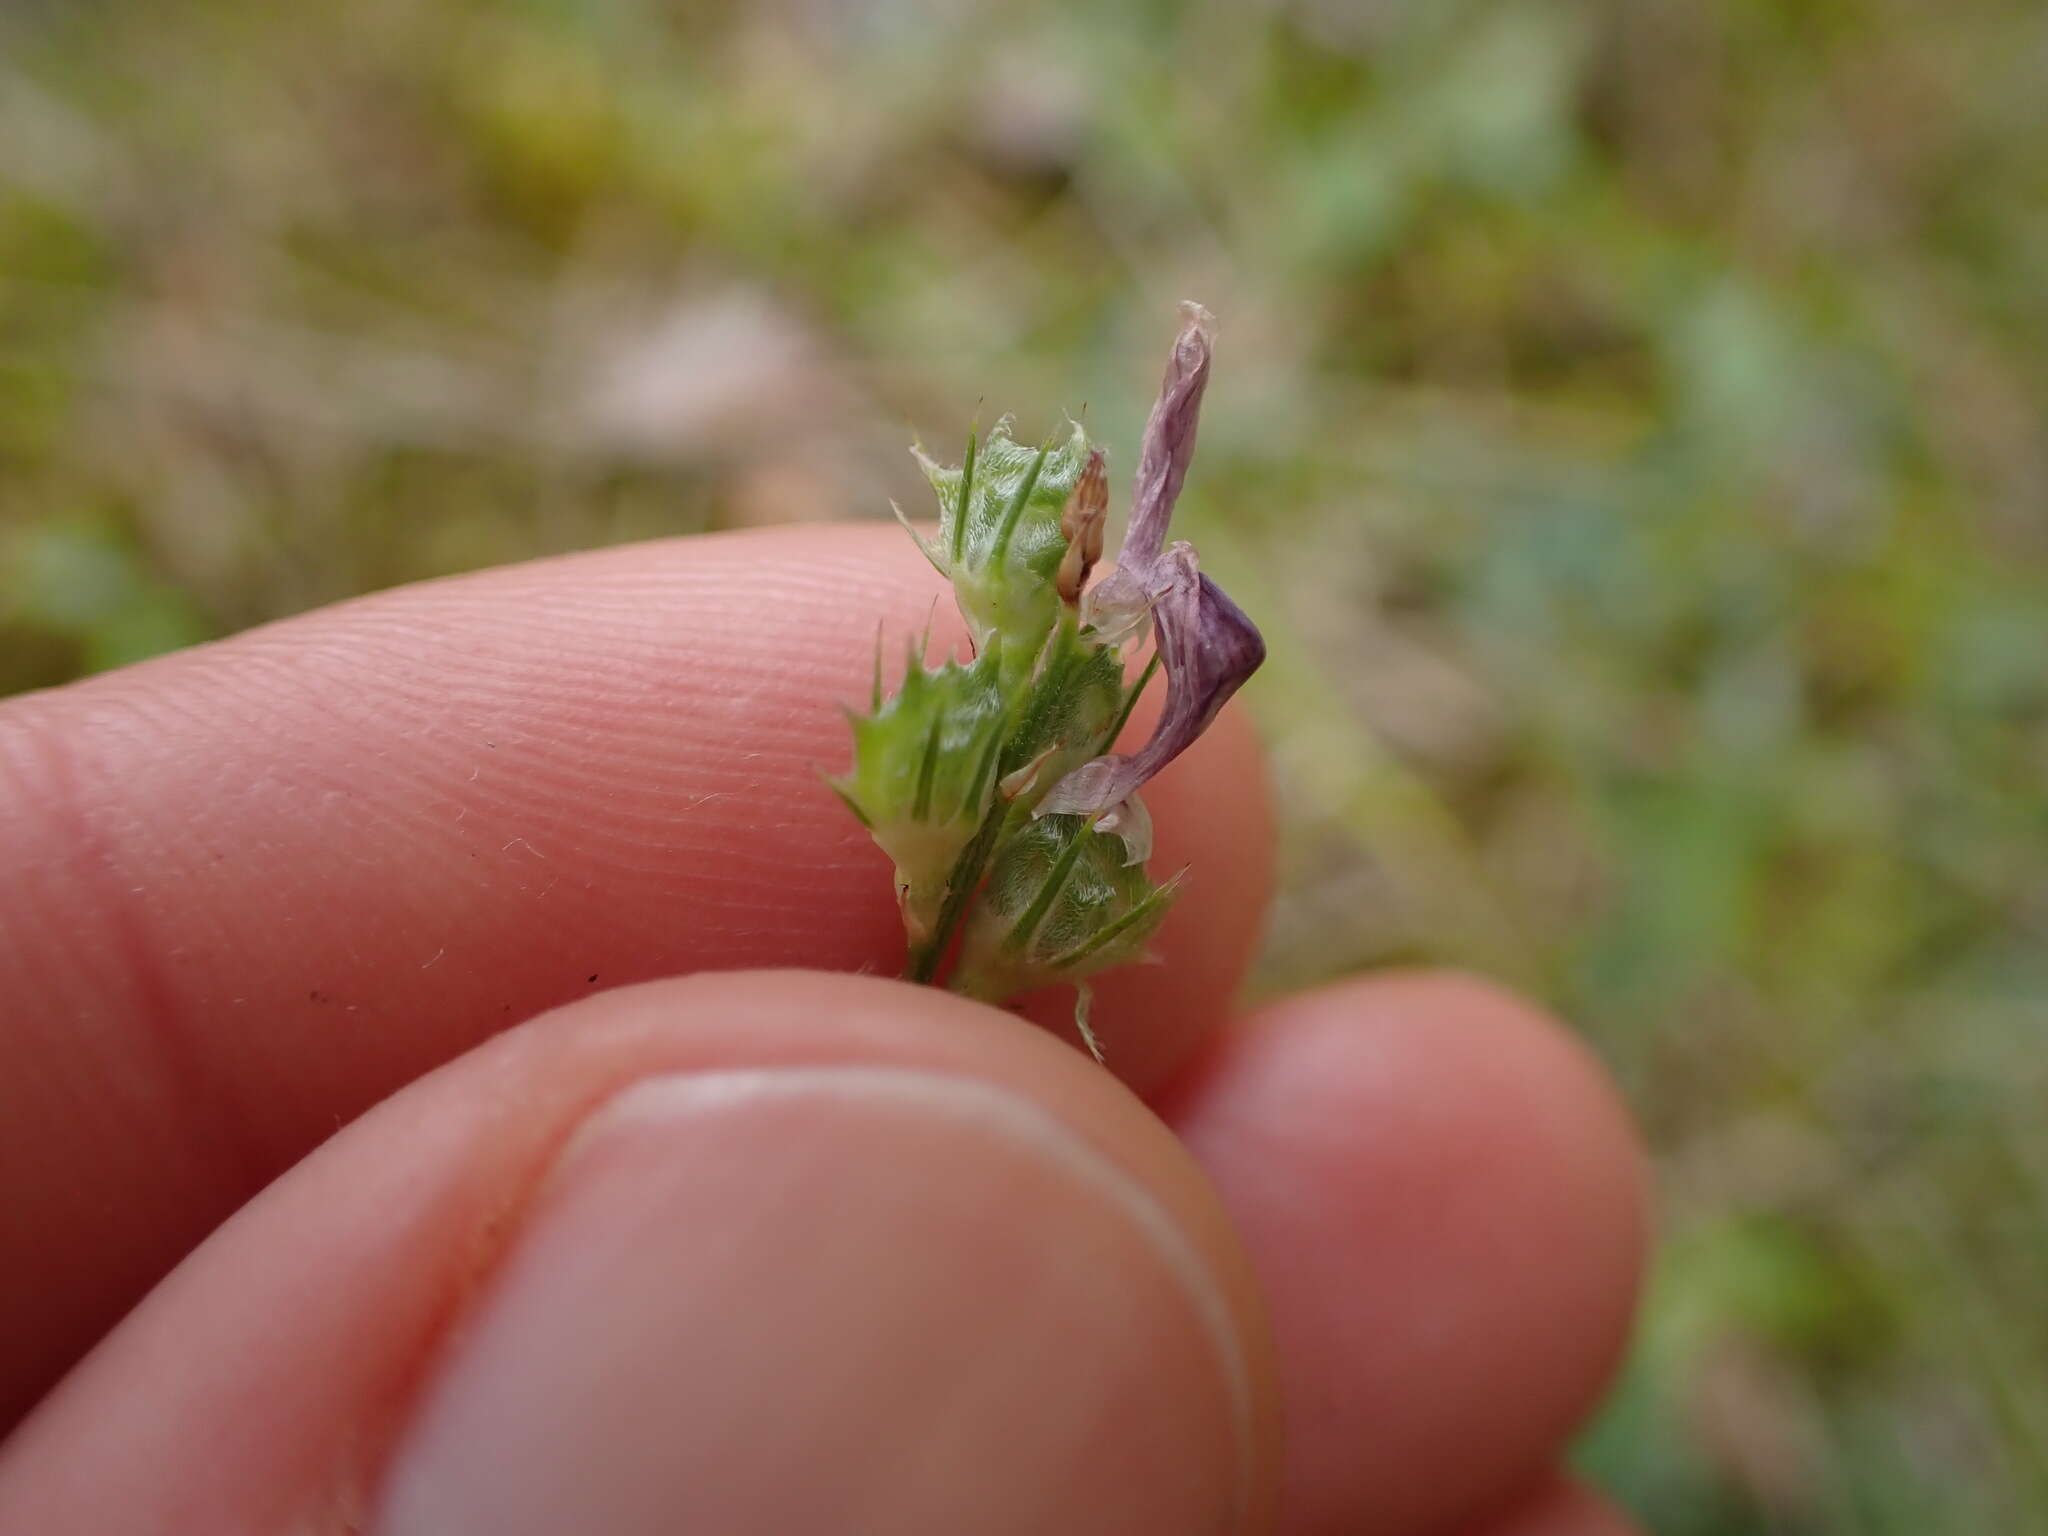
1017 831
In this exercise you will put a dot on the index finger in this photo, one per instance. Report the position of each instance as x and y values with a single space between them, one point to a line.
255 887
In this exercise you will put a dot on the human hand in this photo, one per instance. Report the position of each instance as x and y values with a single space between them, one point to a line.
778 1250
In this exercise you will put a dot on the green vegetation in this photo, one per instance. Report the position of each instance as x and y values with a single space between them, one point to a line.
1634 414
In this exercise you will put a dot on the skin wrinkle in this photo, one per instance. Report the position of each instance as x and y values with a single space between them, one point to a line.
473 1227
104 1053
57 798
489 1224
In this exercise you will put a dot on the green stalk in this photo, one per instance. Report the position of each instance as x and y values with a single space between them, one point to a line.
923 964
1131 702
1002 819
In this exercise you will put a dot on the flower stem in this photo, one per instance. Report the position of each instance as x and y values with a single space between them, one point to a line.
1131 702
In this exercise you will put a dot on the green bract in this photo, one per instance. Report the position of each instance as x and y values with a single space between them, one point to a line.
999 540
956 772
924 772
1062 902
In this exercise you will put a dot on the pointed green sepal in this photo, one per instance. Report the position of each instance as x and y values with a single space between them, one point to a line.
924 773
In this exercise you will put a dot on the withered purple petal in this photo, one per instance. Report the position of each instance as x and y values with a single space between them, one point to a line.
1209 648
1120 605
1206 643
1169 443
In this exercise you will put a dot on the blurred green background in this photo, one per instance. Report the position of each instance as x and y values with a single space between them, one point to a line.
1632 419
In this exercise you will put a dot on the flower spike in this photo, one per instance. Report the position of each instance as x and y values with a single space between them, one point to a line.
955 773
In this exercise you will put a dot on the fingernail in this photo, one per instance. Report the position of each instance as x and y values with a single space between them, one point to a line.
834 1298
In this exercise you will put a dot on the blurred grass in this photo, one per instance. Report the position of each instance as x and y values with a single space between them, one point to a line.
1631 415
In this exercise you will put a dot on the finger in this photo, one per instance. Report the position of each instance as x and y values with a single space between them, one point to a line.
252 888
1446 1206
772 1252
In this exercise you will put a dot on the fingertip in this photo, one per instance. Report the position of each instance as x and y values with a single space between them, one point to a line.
1447 1206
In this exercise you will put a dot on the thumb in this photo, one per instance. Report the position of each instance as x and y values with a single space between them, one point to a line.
822 1254
835 1298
